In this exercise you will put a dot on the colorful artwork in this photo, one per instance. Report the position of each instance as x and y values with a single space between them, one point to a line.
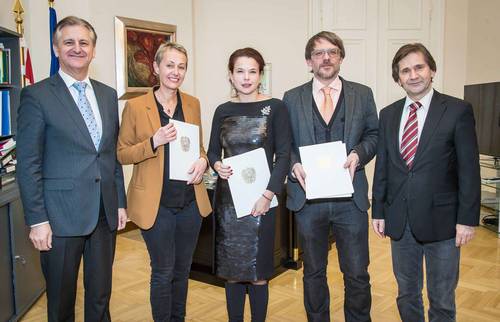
141 49
136 42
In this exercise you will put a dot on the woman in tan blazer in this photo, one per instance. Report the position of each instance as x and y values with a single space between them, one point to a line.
167 211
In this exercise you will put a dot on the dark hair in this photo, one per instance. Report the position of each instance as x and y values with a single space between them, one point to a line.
407 49
328 36
246 52
73 21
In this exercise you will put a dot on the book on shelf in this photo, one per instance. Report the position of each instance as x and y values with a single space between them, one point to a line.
8 168
7 146
7 178
5 66
5 112
8 157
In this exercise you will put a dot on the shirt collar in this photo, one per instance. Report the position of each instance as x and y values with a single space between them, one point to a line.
336 84
69 81
425 101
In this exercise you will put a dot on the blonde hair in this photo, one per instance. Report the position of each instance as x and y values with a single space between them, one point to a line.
169 45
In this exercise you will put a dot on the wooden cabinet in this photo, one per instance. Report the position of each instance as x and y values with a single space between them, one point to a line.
21 279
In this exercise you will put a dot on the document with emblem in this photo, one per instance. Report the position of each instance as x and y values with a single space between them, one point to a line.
184 150
249 180
326 176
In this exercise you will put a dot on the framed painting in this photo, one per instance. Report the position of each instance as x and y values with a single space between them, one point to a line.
136 42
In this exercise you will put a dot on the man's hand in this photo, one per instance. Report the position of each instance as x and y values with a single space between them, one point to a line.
351 163
122 218
197 170
224 171
464 235
164 135
41 237
299 174
379 227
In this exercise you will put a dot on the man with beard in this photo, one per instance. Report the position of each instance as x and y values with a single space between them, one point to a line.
326 109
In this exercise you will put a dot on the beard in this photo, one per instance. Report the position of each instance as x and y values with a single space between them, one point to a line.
330 73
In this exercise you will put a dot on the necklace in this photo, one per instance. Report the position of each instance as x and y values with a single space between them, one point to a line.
167 104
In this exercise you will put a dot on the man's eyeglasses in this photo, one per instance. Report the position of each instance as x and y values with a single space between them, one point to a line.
319 53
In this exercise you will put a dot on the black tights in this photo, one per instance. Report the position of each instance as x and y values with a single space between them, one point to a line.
235 299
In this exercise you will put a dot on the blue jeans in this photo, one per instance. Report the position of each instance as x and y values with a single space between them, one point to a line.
350 228
171 243
442 260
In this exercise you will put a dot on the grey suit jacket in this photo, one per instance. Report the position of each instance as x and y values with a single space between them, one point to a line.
61 176
360 134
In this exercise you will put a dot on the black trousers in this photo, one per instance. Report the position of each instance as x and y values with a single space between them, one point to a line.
171 243
60 267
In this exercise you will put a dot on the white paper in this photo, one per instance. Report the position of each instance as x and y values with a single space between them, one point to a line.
326 176
249 180
184 150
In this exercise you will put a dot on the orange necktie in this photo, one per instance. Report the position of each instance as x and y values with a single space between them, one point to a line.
327 108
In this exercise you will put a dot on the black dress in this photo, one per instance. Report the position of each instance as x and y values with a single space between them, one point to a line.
245 246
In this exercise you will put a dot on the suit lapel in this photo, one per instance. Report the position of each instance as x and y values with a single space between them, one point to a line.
434 115
152 111
62 93
186 109
307 108
102 109
349 100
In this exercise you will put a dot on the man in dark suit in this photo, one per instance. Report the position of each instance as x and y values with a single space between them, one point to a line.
326 109
70 181
426 190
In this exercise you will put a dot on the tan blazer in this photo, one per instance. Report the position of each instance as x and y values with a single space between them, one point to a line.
140 121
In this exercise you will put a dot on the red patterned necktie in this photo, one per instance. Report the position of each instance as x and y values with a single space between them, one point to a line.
409 141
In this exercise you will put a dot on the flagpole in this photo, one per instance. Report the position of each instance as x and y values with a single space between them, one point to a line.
18 13
54 62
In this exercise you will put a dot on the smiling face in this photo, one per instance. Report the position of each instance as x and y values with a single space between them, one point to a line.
245 76
75 51
415 75
172 69
325 61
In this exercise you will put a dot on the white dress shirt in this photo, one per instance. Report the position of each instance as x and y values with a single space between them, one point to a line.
318 95
421 113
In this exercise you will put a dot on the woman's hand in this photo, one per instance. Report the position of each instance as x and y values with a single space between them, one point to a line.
224 171
197 170
262 204
164 135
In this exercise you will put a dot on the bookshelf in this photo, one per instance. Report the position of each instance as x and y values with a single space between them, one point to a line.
10 41
21 279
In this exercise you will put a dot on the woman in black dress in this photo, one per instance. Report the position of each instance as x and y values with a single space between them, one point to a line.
244 246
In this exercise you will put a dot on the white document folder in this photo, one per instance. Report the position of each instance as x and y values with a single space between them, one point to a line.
326 176
249 180
184 150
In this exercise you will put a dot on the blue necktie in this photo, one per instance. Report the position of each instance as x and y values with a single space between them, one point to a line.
87 114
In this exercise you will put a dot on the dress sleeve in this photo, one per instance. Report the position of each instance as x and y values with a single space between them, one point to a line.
214 152
281 138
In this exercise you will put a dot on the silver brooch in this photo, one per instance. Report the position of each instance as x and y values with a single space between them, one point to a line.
266 110
249 175
185 143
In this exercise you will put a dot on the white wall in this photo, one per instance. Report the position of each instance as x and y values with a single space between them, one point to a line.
6 15
455 48
483 42
101 15
278 29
